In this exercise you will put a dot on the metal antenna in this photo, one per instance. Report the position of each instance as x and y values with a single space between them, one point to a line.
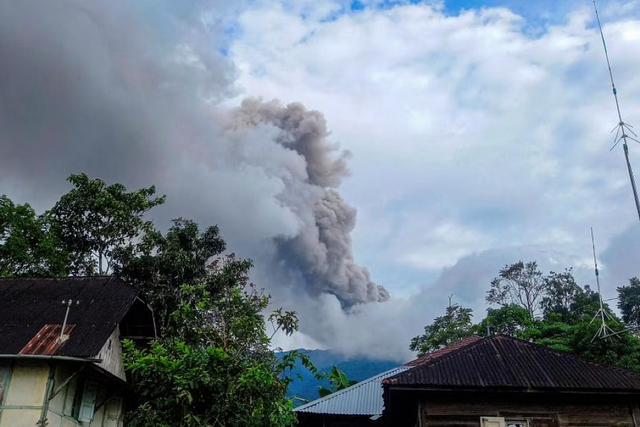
64 337
622 128
604 331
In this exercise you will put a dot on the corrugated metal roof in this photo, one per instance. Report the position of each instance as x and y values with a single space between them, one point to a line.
47 340
28 304
504 362
441 352
363 398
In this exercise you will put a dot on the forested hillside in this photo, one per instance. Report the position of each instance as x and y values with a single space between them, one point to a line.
357 369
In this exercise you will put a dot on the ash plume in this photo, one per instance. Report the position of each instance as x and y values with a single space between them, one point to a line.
131 92
321 252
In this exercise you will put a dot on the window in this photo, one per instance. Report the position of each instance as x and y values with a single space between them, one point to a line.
492 422
517 423
5 371
84 401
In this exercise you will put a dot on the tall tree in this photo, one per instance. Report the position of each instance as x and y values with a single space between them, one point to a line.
215 368
94 221
27 247
586 303
445 330
160 264
510 319
629 302
519 283
562 295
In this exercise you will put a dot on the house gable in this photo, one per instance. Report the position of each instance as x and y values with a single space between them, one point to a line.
33 310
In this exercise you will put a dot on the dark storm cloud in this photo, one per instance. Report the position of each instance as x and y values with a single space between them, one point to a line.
130 93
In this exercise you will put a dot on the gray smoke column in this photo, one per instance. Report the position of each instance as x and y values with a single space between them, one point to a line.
322 251
132 92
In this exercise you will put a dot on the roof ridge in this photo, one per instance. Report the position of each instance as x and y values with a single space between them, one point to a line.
352 387
568 354
453 352
472 339
107 278
97 276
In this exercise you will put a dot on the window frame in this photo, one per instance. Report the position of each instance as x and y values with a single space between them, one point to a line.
5 380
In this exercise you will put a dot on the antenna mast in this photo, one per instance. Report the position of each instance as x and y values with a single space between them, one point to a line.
604 331
622 128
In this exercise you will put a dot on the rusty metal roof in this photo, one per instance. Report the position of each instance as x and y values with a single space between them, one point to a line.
503 362
47 340
32 306
441 352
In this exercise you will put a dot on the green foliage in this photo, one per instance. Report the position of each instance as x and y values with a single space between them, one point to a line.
160 264
338 381
629 302
445 330
27 246
520 284
213 366
510 319
95 221
562 294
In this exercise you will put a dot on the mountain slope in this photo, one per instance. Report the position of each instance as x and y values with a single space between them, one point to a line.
357 369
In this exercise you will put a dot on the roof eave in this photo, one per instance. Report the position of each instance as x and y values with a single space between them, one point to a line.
50 357
405 387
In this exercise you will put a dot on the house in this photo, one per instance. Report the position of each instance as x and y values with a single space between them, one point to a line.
361 404
60 349
500 381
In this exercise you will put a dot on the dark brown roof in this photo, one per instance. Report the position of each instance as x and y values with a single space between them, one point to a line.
441 352
29 306
502 362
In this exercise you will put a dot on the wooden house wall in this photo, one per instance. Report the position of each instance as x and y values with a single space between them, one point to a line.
327 420
111 355
541 410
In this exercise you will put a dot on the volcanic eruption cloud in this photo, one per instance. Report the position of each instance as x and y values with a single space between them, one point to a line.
140 93
321 251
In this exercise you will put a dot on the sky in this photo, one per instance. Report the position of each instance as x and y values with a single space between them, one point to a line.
415 147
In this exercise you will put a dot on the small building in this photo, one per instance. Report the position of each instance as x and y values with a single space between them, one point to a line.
357 406
500 381
60 350
361 404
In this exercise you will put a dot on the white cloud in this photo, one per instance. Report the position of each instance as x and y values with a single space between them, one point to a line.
469 134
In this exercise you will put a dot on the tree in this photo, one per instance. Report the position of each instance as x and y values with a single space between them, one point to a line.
586 304
27 247
445 330
510 319
629 302
215 368
561 295
159 264
95 222
520 284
